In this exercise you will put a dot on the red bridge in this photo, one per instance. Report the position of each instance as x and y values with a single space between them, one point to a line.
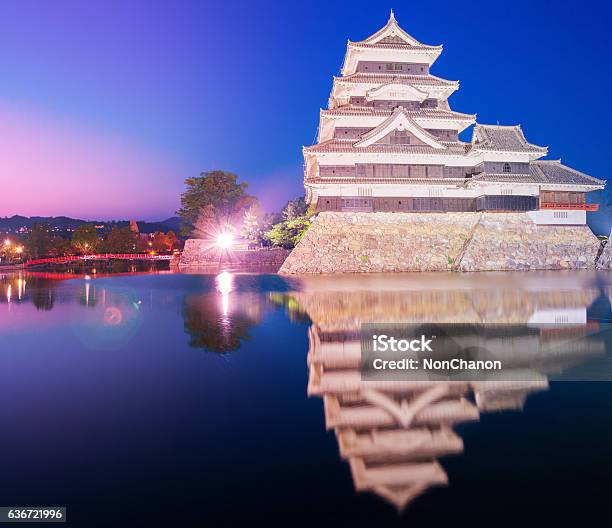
101 256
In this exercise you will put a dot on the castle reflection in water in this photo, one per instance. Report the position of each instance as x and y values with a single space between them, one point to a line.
393 433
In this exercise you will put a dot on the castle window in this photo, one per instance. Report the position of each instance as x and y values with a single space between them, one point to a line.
507 167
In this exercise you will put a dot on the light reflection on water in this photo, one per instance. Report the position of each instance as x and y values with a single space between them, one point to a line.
238 347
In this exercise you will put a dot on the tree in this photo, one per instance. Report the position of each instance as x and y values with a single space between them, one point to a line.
208 330
172 239
251 228
161 242
295 208
218 195
287 229
39 240
59 247
121 240
287 234
85 238
10 249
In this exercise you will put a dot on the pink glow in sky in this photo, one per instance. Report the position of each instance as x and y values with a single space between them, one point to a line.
51 167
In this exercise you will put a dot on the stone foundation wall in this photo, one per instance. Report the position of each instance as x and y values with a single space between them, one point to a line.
398 242
202 254
381 242
512 241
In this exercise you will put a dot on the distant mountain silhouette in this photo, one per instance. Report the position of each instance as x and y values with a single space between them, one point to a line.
13 223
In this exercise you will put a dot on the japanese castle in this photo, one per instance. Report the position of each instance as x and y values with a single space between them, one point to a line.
389 141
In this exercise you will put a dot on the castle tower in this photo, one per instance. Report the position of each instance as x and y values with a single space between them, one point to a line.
389 141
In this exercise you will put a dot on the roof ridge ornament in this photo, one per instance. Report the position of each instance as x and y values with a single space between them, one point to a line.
391 16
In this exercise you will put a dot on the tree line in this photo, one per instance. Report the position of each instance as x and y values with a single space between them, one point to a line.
216 202
213 202
42 241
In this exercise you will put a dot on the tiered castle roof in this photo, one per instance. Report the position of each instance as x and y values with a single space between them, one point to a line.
544 172
390 38
387 110
503 138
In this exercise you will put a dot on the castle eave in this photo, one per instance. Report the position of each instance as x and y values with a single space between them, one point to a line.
385 78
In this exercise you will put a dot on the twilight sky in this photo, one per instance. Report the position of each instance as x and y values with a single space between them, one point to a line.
107 106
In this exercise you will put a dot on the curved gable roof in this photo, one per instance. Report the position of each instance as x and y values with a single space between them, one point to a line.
392 35
399 120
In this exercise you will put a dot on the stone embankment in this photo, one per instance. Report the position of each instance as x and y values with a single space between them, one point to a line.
605 259
512 241
202 254
399 242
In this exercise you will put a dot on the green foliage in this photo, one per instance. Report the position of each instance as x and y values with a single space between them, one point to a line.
214 197
85 238
295 209
292 307
288 233
287 229
121 240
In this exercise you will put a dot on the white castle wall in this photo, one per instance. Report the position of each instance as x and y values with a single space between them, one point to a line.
551 217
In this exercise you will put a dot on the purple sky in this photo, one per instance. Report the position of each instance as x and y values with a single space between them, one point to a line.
107 106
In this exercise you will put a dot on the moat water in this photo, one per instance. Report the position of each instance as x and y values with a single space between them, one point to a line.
182 400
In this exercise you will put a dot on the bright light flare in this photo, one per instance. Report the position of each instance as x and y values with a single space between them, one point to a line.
224 285
225 240
224 282
7 242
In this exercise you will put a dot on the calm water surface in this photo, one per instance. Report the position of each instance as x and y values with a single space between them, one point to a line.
200 400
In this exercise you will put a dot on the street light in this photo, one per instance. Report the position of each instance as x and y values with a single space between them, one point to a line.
7 242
